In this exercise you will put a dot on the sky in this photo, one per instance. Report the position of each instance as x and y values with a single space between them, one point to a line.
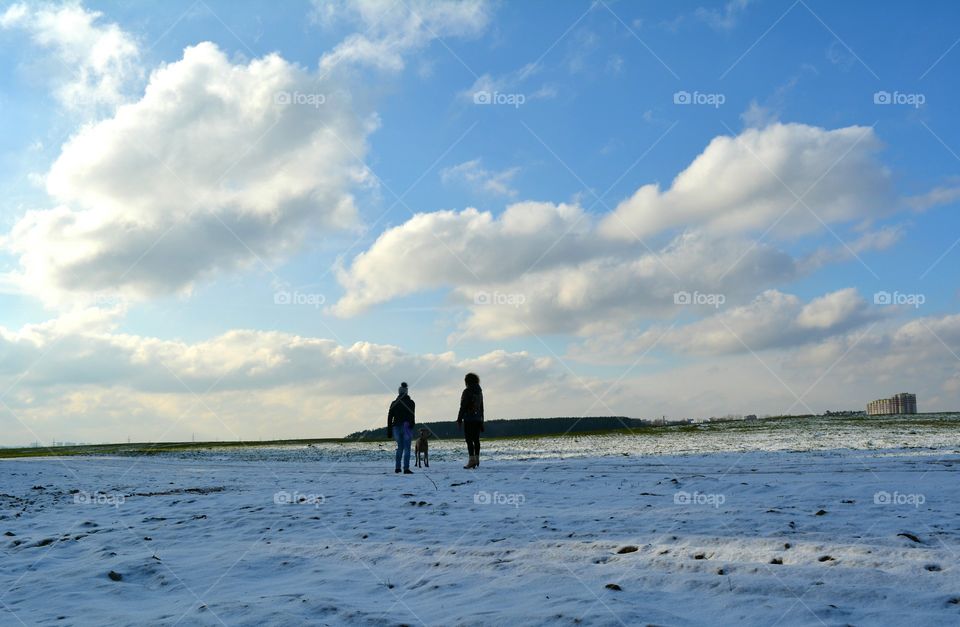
254 220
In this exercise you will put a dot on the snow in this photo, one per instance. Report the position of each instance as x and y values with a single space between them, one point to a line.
330 536
932 431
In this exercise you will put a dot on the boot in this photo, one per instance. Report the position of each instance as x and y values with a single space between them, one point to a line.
472 463
476 460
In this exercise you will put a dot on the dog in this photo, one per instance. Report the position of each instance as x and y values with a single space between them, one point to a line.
423 447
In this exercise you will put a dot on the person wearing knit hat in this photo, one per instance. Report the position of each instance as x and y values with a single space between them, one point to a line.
400 422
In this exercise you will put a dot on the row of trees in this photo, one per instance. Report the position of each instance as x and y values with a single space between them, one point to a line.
520 427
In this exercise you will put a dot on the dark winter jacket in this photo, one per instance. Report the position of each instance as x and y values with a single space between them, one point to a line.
471 405
402 409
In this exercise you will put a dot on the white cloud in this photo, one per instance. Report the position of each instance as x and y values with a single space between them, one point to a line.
879 239
940 195
861 365
614 64
747 183
96 62
78 378
774 320
919 355
446 248
514 82
726 18
611 291
217 165
597 277
581 45
758 116
480 179
548 270
392 29
77 372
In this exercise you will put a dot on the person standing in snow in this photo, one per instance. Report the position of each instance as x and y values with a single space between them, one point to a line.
400 422
470 418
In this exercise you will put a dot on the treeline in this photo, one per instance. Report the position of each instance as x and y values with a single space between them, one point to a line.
518 427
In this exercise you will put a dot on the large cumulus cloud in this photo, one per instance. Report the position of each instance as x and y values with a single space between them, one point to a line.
218 165
790 179
721 227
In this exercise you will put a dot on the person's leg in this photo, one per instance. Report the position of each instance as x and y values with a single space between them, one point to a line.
470 430
407 440
469 441
398 436
468 436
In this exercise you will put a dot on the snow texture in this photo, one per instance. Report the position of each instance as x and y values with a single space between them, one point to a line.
329 535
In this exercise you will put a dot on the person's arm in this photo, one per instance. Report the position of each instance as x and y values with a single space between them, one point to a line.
481 411
390 412
463 402
413 411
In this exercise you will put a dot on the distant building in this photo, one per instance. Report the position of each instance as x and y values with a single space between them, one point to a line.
902 403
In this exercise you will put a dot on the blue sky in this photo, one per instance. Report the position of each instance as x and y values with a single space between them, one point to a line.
160 193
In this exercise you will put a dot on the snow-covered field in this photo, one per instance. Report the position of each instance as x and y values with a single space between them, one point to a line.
827 537
931 431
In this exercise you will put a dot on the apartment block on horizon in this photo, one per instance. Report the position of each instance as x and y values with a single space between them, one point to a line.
902 403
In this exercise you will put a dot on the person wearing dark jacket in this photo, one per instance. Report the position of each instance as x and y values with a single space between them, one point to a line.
470 418
400 422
